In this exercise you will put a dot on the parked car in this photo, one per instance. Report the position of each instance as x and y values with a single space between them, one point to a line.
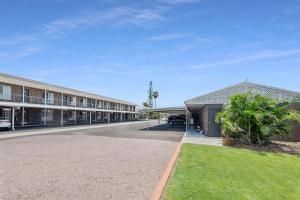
177 119
4 124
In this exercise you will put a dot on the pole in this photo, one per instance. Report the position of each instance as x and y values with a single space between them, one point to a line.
13 118
62 118
186 120
90 117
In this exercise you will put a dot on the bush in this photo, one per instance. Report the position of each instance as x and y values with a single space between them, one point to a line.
255 119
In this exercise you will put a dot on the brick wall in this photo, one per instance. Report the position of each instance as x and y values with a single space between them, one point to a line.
295 133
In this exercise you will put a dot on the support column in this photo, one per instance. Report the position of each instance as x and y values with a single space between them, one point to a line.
62 99
45 98
45 116
186 120
13 118
62 118
75 116
121 117
108 119
45 110
85 116
23 100
23 94
90 117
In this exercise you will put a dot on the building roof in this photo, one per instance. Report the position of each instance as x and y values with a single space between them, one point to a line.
6 78
222 96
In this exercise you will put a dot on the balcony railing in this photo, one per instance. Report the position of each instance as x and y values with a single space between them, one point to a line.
58 102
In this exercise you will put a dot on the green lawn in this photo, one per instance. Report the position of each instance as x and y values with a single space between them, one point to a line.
208 172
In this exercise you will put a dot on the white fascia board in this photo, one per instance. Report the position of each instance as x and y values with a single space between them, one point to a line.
27 105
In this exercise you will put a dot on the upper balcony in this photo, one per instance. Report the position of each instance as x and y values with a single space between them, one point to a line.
62 101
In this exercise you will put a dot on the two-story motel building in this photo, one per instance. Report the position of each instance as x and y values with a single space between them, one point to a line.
27 102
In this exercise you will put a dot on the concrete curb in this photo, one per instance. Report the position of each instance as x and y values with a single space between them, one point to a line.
62 129
159 190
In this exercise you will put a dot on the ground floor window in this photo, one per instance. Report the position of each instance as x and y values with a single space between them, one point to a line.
5 113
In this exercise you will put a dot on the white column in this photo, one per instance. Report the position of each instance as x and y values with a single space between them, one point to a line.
23 93
45 110
23 100
62 118
75 116
45 116
45 97
62 99
90 117
108 119
186 120
121 117
13 118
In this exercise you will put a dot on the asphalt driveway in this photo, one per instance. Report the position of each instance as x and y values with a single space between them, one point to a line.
121 162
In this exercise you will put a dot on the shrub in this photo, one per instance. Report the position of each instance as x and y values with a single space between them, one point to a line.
255 119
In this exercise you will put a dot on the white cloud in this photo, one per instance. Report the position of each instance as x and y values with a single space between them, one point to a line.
117 16
13 55
168 36
265 54
175 2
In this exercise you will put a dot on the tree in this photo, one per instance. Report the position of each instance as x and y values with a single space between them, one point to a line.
155 96
150 95
145 104
255 119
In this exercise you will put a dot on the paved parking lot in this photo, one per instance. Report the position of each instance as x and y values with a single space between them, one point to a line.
121 162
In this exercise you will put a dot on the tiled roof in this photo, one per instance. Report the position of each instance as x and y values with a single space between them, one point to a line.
222 96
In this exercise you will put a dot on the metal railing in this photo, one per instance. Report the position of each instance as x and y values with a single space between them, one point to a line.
17 98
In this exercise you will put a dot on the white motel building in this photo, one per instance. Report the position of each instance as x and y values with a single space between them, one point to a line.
28 103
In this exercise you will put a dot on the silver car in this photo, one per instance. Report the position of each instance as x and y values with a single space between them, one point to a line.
4 123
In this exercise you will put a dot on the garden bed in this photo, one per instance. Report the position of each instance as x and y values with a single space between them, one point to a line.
275 147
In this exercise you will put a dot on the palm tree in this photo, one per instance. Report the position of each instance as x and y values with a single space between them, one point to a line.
145 104
255 119
155 96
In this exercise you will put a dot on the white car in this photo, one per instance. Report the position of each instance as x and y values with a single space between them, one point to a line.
4 123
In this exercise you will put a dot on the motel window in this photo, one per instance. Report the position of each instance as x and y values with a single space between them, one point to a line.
72 101
26 95
6 113
82 102
5 92
50 98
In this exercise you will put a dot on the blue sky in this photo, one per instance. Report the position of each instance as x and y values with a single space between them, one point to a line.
186 47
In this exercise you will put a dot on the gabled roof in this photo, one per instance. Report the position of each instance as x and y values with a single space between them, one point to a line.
222 96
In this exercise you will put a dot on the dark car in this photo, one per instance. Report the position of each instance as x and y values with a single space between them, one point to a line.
177 119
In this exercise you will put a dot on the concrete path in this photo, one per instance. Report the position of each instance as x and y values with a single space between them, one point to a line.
198 138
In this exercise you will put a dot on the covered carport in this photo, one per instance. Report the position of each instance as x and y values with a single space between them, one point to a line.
169 111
